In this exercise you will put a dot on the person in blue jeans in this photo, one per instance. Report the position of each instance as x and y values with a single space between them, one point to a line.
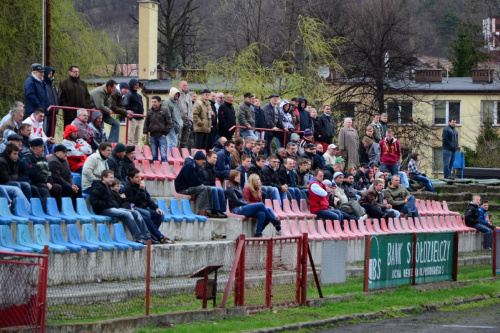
400 198
418 175
238 205
450 146
472 221
159 124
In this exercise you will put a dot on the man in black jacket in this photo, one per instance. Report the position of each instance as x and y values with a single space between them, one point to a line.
472 221
158 123
136 193
115 159
219 198
126 163
102 202
325 130
227 117
133 101
61 173
269 176
268 192
273 121
286 176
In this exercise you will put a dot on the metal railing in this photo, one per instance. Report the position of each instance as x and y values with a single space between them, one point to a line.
264 130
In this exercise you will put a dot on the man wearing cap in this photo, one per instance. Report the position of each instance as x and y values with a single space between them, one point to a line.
61 173
73 92
116 158
202 120
133 101
273 121
42 178
48 80
310 154
307 139
35 91
346 204
190 181
117 97
126 163
100 99
246 116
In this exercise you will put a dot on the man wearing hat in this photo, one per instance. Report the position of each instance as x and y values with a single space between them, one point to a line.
126 163
117 98
273 121
202 121
61 173
35 91
12 138
245 116
73 92
42 178
116 158
307 139
190 181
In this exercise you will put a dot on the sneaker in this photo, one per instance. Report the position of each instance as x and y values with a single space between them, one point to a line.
222 215
166 240
142 241
154 241
258 234
388 215
364 217
278 232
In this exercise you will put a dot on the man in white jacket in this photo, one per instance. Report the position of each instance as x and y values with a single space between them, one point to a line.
95 164
36 120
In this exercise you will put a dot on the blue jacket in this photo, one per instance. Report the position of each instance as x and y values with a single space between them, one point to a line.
305 118
223 165
36 95
483 213
269 115
450 138
190 176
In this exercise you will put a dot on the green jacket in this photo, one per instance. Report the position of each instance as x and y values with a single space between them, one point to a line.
396 196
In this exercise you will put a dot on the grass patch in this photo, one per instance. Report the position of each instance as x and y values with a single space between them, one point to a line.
363 303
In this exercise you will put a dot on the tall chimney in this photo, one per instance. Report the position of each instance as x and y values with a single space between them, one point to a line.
148 39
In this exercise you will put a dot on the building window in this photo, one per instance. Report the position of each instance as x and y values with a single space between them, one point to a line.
399 112
489 112
437 160
347 109
446 110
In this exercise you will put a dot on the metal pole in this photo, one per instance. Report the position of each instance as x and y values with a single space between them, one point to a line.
367 261
44 19
455 257
148 275
305 247
269 272
44 281
414 259
48 33
494 252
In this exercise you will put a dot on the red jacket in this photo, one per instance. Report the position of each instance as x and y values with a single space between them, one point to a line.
317 203
390 153
249 197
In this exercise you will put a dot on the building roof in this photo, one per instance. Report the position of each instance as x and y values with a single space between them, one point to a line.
450 85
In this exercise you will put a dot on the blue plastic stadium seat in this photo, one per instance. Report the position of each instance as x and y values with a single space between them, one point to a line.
5 249
120 236
67 209
41 239
5 212
175 210
103 232
24 238
52 210
37 210
167 217
186 210
74 238
90 237
81 208
7 241
77 179
20 210
5 220
57 238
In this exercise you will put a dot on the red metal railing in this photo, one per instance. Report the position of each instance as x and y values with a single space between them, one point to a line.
54 107
263 130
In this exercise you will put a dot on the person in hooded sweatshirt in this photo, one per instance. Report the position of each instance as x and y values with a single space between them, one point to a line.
98 127
171 104
133 101
472 221
73 92
305 117
48 79
78 149
101 100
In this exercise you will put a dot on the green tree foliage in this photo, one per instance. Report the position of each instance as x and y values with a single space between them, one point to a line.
465 54
74 42
487 152
244 71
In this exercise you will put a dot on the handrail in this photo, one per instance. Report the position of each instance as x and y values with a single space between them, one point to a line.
54 107
235 127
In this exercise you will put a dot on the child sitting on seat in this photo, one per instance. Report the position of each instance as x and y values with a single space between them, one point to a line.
157 236
483 215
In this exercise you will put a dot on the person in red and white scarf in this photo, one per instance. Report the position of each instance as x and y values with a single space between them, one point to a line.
36 120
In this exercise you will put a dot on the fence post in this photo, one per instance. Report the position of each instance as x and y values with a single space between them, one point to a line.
414 259
299 259
148 275
269 272
242 273
43 304
305 247
367 262
455 257
494 252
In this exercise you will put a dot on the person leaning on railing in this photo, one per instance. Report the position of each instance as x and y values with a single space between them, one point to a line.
246 116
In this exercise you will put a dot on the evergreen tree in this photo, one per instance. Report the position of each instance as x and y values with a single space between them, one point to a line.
465 54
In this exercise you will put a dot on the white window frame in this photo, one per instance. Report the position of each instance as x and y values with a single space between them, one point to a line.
495 112
447 120
399 123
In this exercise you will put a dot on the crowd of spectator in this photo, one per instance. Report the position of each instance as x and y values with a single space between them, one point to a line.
354 178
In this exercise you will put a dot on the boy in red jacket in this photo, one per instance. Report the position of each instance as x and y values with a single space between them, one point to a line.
390 153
